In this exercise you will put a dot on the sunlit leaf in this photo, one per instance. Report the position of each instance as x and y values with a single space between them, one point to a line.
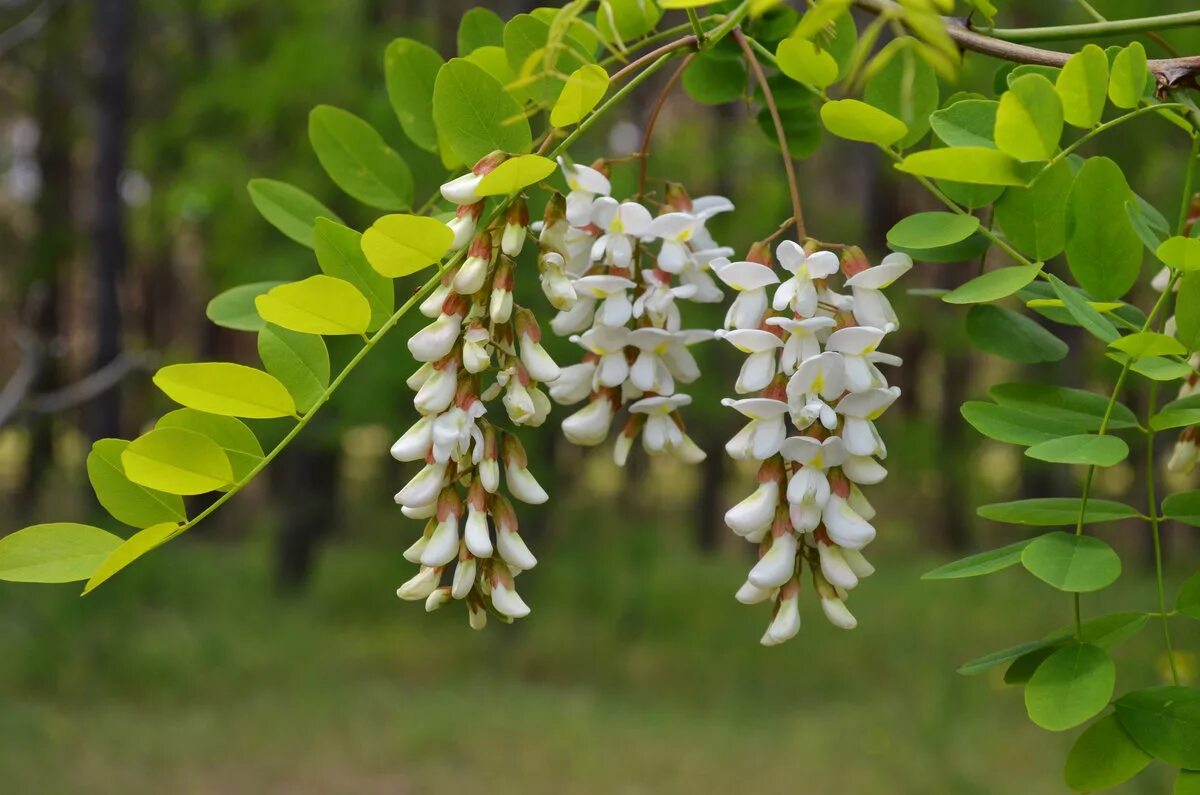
358 160
1029 120
858 121
300 361
128 502
805 61
234 308
1083 86
584 89
55 552
974 165
1072 563
288 209
969 122
993 285
317 305
479 27
133 548
1034 218
339 253
515 174
226 388
475 115
1181 253
1091 449
1148 343
241 446
398 245
907 89
177 461
1127 79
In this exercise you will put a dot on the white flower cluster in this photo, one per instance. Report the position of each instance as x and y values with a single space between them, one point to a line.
1186 453
619 301
812 359
477 334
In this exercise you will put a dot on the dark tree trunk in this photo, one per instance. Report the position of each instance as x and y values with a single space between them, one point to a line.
53 240
112 24
305 484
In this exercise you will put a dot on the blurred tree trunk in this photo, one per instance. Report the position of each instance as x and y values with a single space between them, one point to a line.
305 483
112 22
954 517
53 239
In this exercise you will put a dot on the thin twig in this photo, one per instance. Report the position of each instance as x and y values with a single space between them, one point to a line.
644 152
769 100
633 66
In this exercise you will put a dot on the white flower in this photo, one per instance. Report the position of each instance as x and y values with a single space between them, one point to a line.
623 223
844 526
661 433
777 565
415 442
856 345
786 622
518 402
424 487
863 469
469 277
751 594
750 279
762 437
859 411
523 485
421 585
413 553
539 364
455 430
650 372
507 601
437 393
675 230
835 610
585 183
871 307
834 566
475 532
753 516
463 226
608 343
817 381
803 339
808 489
476 349
443 544
464 577
555 284
432 305
612 292
759 368
577 318
574 383
857 563
590 425
461 190
512 548
799 293
435 340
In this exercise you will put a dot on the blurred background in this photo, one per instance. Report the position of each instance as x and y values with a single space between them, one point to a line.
264 652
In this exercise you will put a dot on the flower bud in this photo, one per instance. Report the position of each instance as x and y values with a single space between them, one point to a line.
505 598
464 577
466 218
435 340
472 273
439 597
516 223
521 481
443 542
461 190
415 443
424 487
786 622
421 585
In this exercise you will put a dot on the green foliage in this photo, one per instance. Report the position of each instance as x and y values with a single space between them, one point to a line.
968 122
805 62
317 305
623 20
1183 507
133 548
715 78
1071 686
1056 511
582 93
479 27
411 68
932 230
1012 335
399 245
300 361
1091 449
235 308
1103 756
1015 425
288 209
1187 311
339 253
474 114
1127 80
235 439
177 461
128 502
1180 253
228 389
515 174
858 121
358 160
906 87
1103 250
1072 563
1165 722
993 285
983 563
974 165
1083 87
1096 324
1034 218
1029 120
55 552
1086 409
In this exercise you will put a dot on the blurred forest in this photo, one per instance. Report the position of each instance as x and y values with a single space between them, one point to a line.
265 653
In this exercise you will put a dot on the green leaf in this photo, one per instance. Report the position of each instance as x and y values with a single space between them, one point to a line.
907 89
240 444
805 62
399 245
1105 632
1072 563
1086 409
177 461
1181 253
358 160
128 502
56 552
224 388
133 548
1087 317
234 308
1175 418
994 285
474 114
1187 311
339 253
623 20
858 121
1103 250
1034 218
479 27
980 564
797 111
989 661
1012 335
584 89
932 230
1188 601
1148 343
317 305
1029 120
1100 451
715 79
288 209
1013 425
1148 222
974 165
1071 686
1158 369
1083 87
1104 755
541 56
515 174
1056 511
1127 80
969 122
299 361
410 69
494 61
1187 783
1165 722
1022 668
1183 507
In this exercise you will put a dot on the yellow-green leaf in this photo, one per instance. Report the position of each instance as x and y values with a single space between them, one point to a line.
226 388
55 552
805 62
231 435
975 165
1181 253
858 121
1127 79
1082 86
684 3
128 502
317 305
134 547
177 461
514 174
1029 120
584 89
397 245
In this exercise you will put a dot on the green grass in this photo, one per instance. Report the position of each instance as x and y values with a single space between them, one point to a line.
637 672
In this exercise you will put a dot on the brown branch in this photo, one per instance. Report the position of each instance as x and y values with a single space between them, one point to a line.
633 66
781 134
1168 72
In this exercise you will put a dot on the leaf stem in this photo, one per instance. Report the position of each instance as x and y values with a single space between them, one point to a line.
769 99
1152 504
1098 29
694 21
1108 125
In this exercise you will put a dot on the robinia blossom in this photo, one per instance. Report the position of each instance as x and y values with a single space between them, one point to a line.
811 391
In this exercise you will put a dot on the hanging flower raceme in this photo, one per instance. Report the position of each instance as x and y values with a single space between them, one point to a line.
616 273
479 346
811 390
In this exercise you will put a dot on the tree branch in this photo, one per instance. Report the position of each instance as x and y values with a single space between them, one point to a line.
1098 29
1168 72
